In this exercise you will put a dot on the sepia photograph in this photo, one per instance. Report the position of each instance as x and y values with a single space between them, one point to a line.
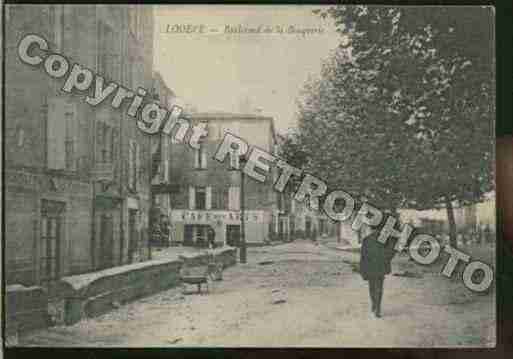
187 176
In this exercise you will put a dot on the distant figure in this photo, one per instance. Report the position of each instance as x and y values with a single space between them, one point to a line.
488 233
375 261
313 235
165 230
211 238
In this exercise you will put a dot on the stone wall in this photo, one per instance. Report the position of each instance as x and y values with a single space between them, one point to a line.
25 308
91 294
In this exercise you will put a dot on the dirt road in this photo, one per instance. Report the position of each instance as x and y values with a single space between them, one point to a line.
301 294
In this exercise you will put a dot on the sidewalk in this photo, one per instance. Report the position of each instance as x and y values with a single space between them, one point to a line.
342 245
170 252
325 304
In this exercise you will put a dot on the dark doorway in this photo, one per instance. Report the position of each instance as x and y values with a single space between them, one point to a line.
187 235
133 238
233 235
281 233
308 227
201 198
106 241
197 235
52 219
201 235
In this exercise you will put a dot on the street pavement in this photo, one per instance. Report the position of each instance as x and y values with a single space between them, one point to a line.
296 294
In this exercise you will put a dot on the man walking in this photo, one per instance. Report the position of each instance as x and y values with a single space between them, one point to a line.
375 261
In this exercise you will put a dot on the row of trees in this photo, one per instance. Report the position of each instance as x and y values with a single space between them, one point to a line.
403 110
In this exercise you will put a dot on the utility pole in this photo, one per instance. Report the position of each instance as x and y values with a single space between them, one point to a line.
242 242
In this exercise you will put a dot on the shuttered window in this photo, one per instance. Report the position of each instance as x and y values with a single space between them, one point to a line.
138 172
234 198
200 197
56 135
133 165
200 158
209 197
219 197
192 199
130 164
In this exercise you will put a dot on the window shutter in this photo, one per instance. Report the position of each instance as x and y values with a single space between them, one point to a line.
192 198
237 198
99 141
70 115
56 135
130 164
196 159
137 164
233 198
166 171
203 158
115 139
58 26
209 198
224 198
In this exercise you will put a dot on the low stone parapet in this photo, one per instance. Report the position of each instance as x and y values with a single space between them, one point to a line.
91 294
25 308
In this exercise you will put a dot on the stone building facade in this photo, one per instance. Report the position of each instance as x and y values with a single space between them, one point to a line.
208 192
160 173
305 222
468 218
76 183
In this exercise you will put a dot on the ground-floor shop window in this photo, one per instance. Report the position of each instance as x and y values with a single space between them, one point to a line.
198 235
233 235
52 221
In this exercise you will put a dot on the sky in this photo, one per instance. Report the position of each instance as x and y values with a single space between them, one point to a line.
218 71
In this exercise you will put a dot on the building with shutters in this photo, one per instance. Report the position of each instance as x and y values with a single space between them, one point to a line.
207 193
160 172
76 177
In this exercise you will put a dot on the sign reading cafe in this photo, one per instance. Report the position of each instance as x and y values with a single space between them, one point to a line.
214 216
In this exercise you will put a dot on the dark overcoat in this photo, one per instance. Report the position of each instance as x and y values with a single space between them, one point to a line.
375 257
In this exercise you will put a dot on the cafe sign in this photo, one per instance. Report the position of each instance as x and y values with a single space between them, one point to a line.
229 217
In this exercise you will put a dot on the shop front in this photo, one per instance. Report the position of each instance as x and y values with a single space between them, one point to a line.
199 227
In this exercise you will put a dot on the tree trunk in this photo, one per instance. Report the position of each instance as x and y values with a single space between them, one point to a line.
452 222
337 231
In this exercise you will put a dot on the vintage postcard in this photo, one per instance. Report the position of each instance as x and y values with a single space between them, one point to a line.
257 176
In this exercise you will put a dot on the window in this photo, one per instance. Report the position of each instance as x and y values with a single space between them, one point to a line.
69 144
61 135
234 160
131 18
200 198
56 20
164 170
220 198
179 199
114 145
139 24
52 220
106 50
106 142
133 165
200 158
234 198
